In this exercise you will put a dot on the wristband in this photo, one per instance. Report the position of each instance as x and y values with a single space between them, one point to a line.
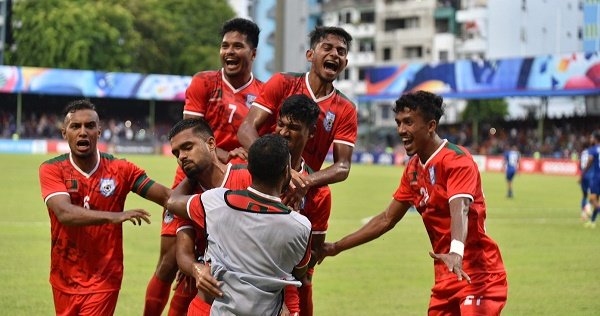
457 247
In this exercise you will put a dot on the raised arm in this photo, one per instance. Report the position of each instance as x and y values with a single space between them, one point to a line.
72 215
248 131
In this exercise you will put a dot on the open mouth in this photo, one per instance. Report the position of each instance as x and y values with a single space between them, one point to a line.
331 65
231 62
83 144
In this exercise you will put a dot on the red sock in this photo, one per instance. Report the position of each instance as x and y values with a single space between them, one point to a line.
181 301
157 295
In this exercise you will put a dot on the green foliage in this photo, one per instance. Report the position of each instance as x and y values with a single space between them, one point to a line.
550 258
489 110
73 34
147 36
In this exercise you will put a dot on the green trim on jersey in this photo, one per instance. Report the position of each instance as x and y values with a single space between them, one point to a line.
455 148
345 97
107 156
239 166
146 188
137 185
294 74
56 159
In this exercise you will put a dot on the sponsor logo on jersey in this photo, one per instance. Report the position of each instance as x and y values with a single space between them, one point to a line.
107 187
328 121
249 99
168 217
432 174
72 185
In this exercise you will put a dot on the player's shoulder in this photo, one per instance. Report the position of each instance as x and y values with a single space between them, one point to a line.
106 157
344 99
455 151
56 160
207 74
291 74
301 220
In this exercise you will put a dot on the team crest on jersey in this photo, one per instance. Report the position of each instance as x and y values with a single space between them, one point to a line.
328 121
107 187
432 174
168 217
249 99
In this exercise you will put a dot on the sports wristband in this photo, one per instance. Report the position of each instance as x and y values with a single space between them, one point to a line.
457 247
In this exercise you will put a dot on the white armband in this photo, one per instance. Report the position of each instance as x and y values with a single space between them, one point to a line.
457 247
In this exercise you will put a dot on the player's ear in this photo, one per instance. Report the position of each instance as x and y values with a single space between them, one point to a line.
63 131
253 54
431 126
309 55
211 143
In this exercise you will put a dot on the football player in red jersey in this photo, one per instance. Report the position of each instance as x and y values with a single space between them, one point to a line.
85 192
337 122
222 97
193 144
297 124
443 183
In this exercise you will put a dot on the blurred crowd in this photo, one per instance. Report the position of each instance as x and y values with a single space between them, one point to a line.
48 126
562 137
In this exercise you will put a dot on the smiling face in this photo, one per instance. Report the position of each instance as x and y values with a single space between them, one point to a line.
193 153
81 130
329 57
237 55
415 132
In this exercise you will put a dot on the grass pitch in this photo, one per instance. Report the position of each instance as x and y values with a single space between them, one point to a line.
550 258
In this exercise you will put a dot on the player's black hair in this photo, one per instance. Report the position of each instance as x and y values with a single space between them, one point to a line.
200 127
300 108
268 158
243 26
77 105
320 32
431 105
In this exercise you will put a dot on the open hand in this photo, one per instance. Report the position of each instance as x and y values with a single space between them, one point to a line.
454 263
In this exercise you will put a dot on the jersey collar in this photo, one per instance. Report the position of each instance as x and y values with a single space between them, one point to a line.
263 195
87 175
434 153
225 177
231 87
312 95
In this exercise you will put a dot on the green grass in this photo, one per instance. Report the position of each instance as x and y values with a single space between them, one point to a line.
550 258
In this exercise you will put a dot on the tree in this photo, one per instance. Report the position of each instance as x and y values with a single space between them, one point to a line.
488 110
148 36
178 36
485 110
73 34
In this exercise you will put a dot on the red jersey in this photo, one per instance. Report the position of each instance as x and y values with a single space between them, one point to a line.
450 173
237 177
337 121
316 205
211 96
89 259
